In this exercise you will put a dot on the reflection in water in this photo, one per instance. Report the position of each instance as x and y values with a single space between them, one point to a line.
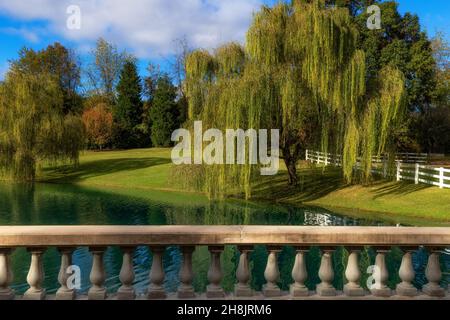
42 204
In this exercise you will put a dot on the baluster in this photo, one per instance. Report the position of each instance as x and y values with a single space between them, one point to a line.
381 275
126 291
353 275
64 293
156 288
186 290
214 290
242 288
434 275
97 276
6 275
407 274
35 276
326 274
272 274
299 274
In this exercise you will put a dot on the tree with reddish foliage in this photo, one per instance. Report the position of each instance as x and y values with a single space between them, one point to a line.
98 121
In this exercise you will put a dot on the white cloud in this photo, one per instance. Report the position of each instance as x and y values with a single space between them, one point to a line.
148 27
23 32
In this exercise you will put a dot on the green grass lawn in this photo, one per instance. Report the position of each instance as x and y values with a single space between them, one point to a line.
139 168
387 200
134 171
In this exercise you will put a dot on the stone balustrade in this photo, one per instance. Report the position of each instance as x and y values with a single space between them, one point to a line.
157 238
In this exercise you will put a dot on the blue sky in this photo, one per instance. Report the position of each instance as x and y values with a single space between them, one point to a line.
148 28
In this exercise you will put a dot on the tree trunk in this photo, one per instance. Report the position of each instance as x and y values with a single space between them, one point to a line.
290 159
292 170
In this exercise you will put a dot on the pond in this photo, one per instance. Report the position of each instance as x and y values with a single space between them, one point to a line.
47 204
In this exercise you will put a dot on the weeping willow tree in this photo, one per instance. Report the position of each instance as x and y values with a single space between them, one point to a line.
300 72
33 126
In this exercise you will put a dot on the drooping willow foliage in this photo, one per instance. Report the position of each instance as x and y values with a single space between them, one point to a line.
300 72
33 126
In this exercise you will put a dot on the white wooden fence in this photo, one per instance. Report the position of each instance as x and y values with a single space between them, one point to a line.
409 167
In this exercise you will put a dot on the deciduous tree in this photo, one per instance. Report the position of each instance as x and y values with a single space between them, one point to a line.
104 70
59 62
33 126
98 122
301 72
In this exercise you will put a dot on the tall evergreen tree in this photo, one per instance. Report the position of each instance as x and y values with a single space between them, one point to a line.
129 108
164 113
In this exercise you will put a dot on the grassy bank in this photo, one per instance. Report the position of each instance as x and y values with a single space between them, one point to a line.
150 169
382 199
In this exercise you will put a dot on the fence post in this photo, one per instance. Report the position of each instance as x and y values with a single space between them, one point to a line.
441 177
398 170
307 155
326 159
416 177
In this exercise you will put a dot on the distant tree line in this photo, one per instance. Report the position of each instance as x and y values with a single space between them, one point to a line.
123 111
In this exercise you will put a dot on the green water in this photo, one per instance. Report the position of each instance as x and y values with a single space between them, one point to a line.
44 204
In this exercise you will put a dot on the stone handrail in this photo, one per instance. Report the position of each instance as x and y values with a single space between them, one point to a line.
97 238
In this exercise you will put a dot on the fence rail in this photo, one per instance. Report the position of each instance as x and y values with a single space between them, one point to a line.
410 166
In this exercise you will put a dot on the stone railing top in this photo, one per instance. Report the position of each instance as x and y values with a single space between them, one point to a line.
41 236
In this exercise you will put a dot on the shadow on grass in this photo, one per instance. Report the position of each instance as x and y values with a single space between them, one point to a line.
313 184
69 174
398 188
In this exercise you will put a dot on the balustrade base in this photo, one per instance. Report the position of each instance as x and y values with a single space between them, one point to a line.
406 290
65 295
243 291
271 291
7 294
97 294
298 291
126 294
383 292
155 294
433 290
34 295
214 292
325 290
354 291
186 294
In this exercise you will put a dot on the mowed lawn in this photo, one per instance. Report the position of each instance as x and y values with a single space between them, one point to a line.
150 169
138 168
